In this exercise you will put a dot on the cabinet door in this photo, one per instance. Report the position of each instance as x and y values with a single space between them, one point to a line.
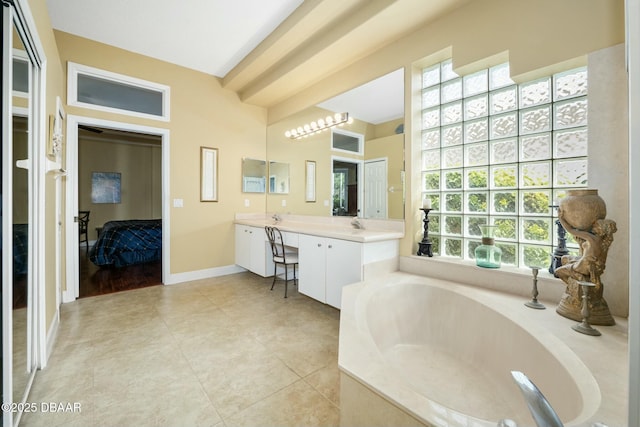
243 246
311 274
259 245
344 266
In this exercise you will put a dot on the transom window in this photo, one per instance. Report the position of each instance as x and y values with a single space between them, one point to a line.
500 153
97 89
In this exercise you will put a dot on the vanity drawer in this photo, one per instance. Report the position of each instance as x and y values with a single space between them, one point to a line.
290 239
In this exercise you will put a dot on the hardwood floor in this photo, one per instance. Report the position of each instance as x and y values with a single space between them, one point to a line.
96 280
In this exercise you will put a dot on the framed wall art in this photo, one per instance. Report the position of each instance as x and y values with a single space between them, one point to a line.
208 174
310 181
105 187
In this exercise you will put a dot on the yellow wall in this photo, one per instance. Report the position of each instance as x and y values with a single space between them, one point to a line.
139 167
295 152
391 148
202 114
54 88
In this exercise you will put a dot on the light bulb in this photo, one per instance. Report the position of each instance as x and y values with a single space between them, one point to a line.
337 116
307 128
321 123
287 134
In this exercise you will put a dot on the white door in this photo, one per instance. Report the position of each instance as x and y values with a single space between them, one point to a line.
375 189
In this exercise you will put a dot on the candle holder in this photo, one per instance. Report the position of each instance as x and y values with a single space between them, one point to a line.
424 247
561 249
534 292
584 327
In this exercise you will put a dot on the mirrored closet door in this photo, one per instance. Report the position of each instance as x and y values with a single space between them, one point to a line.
19 72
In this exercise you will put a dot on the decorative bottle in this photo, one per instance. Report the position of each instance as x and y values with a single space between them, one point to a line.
488 255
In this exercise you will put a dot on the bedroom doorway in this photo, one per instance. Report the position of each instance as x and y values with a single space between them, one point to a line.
118 160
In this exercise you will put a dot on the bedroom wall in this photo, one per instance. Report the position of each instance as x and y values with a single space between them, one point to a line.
140 169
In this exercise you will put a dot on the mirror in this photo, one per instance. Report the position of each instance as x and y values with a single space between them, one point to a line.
20 239
376 188
254 176
278 178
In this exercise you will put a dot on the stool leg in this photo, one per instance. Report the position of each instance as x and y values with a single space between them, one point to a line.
286 279
275 274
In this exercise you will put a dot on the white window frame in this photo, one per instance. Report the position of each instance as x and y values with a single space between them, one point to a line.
359 136
22 56
74 69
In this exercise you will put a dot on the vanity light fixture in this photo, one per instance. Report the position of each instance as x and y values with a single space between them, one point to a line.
319 125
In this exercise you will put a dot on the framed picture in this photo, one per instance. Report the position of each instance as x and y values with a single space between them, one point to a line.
310 181
208 174
105 187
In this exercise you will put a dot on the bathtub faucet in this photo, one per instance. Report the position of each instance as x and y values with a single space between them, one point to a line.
539 406
276 217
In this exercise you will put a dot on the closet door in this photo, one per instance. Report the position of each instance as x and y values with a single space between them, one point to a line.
20 70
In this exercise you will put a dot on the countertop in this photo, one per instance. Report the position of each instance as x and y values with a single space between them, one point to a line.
336 228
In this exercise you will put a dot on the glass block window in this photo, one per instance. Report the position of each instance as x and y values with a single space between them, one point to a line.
106 91
496 152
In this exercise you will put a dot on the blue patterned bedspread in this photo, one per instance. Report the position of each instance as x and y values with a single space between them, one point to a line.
128 242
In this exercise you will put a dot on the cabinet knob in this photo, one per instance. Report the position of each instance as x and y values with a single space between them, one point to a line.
330 246
319 244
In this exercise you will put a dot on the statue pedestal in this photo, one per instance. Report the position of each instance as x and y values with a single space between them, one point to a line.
570 305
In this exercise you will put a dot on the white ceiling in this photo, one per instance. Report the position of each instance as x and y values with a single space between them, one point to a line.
375 102
211 36
265 50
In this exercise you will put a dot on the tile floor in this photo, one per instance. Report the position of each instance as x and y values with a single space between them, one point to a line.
216 352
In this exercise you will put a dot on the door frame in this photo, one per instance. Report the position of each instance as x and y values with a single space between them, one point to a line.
360 174
71 291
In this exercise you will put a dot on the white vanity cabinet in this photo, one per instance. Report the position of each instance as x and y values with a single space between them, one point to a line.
252 250
326 265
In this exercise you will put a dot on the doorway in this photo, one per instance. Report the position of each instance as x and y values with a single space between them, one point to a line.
347 188
132 162
76 127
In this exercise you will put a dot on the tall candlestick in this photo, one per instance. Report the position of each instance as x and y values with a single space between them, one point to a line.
424 247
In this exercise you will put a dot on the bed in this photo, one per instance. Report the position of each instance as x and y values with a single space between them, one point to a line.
129 242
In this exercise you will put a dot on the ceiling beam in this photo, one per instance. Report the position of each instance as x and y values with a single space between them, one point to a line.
306 20
307 49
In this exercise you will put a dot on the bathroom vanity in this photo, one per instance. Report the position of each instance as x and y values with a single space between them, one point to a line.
331 252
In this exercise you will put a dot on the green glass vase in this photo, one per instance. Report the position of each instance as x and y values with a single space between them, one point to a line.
488 255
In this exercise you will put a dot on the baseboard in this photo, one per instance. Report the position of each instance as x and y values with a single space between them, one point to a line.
207 273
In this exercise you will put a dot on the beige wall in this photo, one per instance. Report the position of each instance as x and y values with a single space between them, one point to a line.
392 149
202 114
609 165
296 152
140 169
54 88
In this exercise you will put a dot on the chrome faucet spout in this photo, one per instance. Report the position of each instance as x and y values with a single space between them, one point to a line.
356 223
276 217
540 408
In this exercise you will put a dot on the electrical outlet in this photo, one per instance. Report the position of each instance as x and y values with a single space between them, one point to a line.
247 203
178 203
